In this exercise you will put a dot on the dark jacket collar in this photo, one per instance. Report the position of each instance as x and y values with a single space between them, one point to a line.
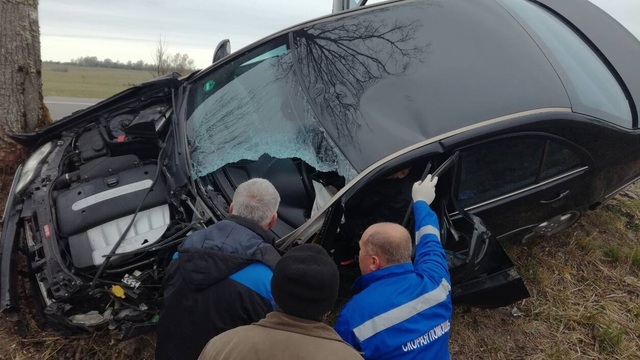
253 226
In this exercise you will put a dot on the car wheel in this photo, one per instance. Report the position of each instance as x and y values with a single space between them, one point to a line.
553 225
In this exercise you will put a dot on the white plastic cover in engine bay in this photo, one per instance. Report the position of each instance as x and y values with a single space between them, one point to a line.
89 248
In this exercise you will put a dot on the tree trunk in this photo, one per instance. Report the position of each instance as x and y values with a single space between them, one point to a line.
21 102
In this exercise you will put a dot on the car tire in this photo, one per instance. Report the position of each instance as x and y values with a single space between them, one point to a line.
553 225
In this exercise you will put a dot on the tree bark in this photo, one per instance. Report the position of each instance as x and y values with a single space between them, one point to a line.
21 102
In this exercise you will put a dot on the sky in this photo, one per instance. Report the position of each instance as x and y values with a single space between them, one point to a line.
130 29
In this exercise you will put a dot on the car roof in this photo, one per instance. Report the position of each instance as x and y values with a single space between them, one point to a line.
445 65
615 42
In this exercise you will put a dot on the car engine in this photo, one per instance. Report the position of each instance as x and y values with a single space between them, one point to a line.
102 223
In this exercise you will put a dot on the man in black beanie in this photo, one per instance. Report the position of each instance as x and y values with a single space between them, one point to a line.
304 287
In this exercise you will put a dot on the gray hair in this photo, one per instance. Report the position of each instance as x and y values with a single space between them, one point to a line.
256 199
393 246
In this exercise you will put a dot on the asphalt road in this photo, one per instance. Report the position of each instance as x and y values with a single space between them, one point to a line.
60 107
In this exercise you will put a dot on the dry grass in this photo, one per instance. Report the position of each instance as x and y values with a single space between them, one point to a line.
99 346
585 303
585 285
88 82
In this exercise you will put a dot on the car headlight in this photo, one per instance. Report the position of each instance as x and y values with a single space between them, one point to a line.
28 172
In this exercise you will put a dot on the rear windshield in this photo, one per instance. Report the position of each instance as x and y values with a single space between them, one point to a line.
591 86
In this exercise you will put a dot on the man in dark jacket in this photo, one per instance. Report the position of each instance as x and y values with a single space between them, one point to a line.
305 287
221 277
403 310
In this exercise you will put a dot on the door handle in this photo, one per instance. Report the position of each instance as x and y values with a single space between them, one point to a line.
563 194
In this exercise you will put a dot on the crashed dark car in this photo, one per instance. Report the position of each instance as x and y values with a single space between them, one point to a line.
526 110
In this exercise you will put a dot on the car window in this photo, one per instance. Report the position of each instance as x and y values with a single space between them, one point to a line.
493 169
496 168
559 159
592 87
280 50
253 105
215 81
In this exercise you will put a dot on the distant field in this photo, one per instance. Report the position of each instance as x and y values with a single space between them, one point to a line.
88 82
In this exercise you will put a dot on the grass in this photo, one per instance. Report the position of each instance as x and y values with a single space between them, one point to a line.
585 291
88 82
635 259
584 304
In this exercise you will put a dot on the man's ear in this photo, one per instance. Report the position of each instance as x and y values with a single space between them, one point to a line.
375 263
403 173
231 208
274 217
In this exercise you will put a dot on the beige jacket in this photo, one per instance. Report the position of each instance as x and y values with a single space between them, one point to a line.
279 337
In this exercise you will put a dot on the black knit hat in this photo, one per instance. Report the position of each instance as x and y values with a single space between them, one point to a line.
305 282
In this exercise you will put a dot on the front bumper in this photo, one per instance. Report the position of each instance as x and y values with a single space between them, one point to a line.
9 241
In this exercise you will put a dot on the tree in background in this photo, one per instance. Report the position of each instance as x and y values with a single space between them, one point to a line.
21 104
161 57
181 63
164 62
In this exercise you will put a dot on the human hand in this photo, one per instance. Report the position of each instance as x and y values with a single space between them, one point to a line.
425 190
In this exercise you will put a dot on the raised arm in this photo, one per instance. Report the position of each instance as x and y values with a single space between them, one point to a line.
430 259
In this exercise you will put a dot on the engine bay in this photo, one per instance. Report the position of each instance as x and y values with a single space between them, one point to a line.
110 173
101 222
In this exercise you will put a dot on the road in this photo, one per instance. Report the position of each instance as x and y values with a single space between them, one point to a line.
60 107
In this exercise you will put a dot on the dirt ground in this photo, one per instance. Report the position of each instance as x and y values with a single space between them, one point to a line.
584 304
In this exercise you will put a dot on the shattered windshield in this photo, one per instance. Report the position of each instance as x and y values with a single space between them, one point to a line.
253 106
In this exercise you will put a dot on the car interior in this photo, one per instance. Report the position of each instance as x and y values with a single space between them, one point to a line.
292 177
464 238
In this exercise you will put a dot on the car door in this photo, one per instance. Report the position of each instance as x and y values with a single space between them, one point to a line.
517 182
482 274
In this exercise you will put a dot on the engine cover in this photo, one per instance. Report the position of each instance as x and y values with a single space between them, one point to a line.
89 204
88 248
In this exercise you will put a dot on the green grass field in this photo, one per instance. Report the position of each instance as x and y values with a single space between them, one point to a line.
88 82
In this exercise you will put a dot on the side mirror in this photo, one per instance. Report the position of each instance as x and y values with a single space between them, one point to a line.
222 50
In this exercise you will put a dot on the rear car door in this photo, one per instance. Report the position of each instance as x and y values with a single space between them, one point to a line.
516 182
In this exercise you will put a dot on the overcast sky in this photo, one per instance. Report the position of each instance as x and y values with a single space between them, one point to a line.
129 29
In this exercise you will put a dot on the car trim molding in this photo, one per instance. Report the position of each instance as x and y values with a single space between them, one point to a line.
460 131
576 171
614 192
110 194
517 230
403 312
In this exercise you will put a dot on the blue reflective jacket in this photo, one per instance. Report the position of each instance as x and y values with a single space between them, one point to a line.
403 311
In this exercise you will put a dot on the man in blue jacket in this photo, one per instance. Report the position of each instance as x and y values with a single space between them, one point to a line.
403 310
221 276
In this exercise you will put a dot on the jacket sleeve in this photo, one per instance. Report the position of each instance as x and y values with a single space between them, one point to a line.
345 330
430 259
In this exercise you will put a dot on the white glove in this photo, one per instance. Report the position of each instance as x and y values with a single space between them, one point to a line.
425 190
